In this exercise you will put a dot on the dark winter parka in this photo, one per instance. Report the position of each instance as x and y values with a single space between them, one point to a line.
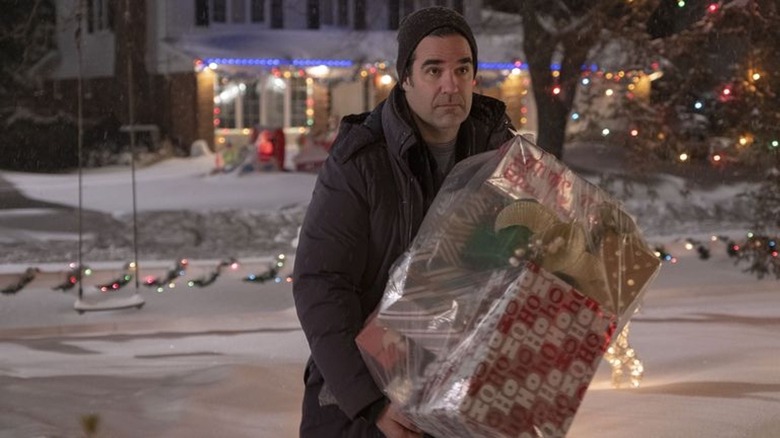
368 202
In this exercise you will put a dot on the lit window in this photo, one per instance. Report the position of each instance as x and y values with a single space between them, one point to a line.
298 101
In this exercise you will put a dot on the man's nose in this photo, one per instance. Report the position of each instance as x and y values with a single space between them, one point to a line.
449 82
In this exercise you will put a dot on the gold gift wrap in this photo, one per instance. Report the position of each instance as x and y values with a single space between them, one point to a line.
580 232
610 263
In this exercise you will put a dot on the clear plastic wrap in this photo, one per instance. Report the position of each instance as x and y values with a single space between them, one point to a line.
494 321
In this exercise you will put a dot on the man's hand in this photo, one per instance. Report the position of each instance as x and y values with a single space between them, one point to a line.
394 424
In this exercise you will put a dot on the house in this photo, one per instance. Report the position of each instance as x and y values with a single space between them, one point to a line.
216 69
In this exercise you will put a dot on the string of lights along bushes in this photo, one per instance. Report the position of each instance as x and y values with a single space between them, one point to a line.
72 276
273 273
120 282
761 251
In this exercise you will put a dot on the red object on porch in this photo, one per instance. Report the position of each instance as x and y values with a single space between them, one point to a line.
270 147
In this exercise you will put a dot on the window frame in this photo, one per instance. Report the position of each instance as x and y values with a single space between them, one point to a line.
286 108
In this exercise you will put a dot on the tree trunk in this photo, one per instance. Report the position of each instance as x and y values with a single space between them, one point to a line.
552 108
554 98
552 116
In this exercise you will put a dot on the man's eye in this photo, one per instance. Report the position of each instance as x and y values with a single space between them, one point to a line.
464 70
433 71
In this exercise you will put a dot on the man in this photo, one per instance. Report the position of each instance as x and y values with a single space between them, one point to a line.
383 172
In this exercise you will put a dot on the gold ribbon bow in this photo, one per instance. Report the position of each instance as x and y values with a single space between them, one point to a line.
611 264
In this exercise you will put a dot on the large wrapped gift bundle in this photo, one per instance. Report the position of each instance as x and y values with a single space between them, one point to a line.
494 321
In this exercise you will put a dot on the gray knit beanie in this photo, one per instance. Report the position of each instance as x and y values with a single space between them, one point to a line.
420 24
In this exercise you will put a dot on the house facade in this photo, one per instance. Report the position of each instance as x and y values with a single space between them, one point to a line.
217 69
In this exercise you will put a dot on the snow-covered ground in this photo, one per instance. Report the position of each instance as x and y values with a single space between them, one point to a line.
182 211
185 211
232 352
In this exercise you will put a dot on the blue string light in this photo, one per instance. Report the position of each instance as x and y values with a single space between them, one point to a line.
276 62
346 63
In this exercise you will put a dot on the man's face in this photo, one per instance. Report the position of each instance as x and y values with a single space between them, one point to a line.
439 87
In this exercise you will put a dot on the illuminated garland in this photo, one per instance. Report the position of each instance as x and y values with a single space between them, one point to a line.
625 362
761 243
271 274
625 83
120 282
661 253
701 249
760 251
756 243
73 276
28 276
212 277
170 278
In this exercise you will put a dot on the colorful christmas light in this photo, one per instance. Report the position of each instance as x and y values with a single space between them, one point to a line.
169 279
73 276
760 251
120 282
271 274
661 253
212 277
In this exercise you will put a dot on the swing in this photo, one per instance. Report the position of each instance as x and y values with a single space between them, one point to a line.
85 304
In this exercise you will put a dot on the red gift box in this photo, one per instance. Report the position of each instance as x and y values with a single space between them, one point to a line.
526 368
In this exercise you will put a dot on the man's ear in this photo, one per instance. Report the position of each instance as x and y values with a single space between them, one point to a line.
407 83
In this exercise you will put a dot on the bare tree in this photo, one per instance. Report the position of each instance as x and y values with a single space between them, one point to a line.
566 33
